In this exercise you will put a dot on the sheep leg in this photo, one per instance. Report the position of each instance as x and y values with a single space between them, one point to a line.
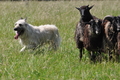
80 46
110 55
99 56
80 50
92 56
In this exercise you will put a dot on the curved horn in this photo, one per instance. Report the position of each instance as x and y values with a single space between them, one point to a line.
108 17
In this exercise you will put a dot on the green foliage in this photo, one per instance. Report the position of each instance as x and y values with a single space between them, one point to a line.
43 64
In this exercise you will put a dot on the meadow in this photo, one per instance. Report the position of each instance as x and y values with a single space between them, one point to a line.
43 64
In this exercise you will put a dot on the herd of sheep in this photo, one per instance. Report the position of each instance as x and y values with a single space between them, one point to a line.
97 35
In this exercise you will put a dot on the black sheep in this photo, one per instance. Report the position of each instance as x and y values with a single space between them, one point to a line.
86 17
93 36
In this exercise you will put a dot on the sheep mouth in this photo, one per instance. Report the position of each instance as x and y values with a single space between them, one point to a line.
18 33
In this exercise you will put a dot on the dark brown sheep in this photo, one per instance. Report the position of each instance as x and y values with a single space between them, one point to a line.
92 39
93 36
112 35
86 17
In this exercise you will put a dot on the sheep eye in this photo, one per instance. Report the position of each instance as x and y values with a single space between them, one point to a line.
20 24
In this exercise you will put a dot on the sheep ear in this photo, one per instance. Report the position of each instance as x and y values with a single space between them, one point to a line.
91 6
77 8
87 5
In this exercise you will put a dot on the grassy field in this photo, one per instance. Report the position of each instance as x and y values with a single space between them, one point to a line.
43 64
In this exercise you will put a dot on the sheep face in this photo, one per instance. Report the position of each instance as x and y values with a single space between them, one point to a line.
111 26
84 10
117 22
95 26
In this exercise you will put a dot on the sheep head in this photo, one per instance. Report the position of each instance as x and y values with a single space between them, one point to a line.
84 10
95 26
117 22
110 27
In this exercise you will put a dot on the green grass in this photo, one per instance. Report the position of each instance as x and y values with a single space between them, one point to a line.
43 64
